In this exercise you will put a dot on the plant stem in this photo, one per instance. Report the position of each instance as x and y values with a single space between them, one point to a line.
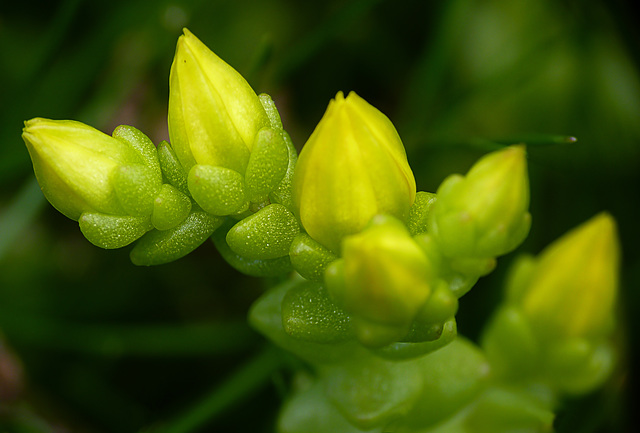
247 380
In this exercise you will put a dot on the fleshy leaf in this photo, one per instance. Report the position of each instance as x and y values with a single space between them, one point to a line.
111 231
170 208
253 267
267 234
309 258
267 165
308 314
283 193
159 247
218 190
172 171
143 145
419 212
136 188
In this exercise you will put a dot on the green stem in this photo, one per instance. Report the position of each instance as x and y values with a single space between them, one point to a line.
247 380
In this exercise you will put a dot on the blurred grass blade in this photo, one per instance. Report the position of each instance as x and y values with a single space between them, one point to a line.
536 140
245 381
309 45
132 340
52 40
20 213
491 144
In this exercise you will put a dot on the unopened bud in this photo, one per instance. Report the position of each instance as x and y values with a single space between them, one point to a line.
485 213
352 168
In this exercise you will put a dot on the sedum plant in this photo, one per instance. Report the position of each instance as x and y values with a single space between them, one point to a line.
374 268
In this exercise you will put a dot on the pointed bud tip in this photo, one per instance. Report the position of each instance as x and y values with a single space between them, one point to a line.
605 223
516 153
574 287
512 161
603 229
32 123
188 41
186 34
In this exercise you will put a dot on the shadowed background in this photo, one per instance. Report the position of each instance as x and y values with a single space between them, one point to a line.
91 343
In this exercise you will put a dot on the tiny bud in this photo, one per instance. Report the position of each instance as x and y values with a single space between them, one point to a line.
386 280
484 214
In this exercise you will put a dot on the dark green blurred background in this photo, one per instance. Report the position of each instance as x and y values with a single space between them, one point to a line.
91 343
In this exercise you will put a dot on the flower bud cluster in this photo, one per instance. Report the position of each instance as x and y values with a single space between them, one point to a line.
237 158
559 311
112 185
395 260
228 157
345 215
380 266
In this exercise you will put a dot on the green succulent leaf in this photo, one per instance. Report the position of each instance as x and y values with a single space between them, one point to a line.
111 231
267 164
309 314
419 212
400 351
354 386
283 193
143 145
218 190
170 208
511 345
265 235
309 411
253 267
265 316
505 410
452 378
159 247
309 258
136 188
172 171
271 110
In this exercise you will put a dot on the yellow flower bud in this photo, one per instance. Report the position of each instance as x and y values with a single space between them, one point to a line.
353 167
573 285
485 213
75 165
385 277
214 114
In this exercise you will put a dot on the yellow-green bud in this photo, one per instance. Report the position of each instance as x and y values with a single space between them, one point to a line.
214 115
572 286
485 213
353 167
78 168
386 279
